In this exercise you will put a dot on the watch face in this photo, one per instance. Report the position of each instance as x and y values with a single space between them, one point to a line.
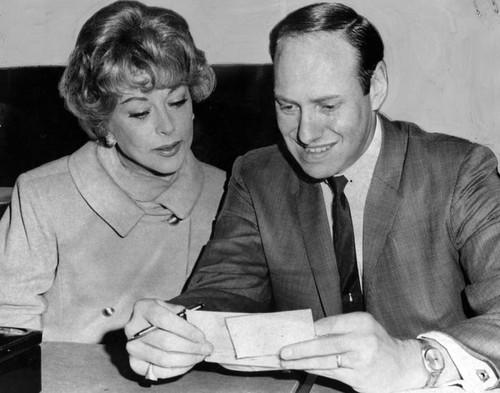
434 359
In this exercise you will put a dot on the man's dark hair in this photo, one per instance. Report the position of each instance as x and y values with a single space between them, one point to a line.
334 17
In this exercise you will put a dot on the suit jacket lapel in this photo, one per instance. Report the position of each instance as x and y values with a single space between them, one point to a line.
319 245
383 197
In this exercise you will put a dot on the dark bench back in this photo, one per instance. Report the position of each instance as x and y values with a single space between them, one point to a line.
36 128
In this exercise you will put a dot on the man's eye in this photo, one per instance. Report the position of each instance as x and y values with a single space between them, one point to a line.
178 104
139 115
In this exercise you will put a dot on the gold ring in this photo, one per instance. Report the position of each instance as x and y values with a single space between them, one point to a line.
339 360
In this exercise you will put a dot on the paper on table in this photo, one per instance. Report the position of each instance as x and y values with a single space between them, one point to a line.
252 339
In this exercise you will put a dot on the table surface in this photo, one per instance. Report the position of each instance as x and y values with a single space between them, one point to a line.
89 368
92 368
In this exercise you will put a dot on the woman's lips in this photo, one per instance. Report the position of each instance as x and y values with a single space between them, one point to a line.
168 150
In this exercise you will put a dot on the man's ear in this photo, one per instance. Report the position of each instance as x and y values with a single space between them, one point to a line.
378 86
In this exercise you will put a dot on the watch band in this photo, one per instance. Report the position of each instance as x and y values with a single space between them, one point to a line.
433 361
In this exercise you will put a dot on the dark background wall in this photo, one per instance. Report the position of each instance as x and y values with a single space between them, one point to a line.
36 128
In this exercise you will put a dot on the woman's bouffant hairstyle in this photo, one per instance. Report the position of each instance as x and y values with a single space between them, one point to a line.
335 17
130 45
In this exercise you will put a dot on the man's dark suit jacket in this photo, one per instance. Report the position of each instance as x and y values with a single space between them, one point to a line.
431 243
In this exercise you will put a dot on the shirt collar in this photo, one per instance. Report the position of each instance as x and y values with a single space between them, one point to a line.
362 170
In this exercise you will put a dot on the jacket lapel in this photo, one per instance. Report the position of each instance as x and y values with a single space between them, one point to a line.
383 199
319 245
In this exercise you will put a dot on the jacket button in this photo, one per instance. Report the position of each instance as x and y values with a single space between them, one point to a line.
108 311
173 220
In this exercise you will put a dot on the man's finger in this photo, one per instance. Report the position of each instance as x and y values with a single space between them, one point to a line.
344 323
320 346
330 362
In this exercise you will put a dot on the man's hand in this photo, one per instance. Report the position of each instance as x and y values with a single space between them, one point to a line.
173 349
355 349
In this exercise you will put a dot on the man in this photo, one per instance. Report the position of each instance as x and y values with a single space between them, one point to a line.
426 215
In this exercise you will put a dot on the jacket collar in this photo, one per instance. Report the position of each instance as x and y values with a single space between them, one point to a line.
383 199
113 205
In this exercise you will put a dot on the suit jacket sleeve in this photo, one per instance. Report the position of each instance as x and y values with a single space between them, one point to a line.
475 226
232 273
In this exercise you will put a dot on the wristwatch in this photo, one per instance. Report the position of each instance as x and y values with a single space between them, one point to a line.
433 361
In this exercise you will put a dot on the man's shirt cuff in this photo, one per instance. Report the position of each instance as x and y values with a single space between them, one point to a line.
477 375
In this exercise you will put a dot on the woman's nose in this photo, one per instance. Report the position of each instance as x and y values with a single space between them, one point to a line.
165 125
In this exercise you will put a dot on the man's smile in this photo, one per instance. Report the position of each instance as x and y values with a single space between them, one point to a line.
318 149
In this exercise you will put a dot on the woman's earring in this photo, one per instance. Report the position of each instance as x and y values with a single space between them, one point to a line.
193 116
110 139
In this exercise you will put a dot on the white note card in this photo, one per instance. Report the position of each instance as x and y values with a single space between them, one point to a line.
266 334
252 339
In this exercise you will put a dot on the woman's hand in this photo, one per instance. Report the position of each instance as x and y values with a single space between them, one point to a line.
173 349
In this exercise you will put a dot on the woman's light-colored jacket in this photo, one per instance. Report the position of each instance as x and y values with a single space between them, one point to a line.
76 251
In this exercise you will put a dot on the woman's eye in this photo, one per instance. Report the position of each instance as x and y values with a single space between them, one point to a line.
178 104
139 115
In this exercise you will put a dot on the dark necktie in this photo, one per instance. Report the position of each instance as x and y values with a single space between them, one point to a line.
345 252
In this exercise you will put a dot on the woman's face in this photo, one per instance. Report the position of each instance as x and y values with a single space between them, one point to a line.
153 130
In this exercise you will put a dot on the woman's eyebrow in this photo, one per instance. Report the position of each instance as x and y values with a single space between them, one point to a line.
133 98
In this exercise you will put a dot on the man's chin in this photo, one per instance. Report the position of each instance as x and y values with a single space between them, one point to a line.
316 173
317 170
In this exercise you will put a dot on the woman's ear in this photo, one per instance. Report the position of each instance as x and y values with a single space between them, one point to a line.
104 134
110 139
378 85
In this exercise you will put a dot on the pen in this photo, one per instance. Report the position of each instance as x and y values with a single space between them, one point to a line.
152 328
149 373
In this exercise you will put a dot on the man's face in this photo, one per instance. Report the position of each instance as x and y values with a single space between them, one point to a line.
325 119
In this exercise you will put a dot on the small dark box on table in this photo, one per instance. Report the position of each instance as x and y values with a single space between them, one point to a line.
20 360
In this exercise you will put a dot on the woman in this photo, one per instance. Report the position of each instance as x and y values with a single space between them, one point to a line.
125 216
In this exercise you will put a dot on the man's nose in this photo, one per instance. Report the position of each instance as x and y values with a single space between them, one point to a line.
165 124
309 129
